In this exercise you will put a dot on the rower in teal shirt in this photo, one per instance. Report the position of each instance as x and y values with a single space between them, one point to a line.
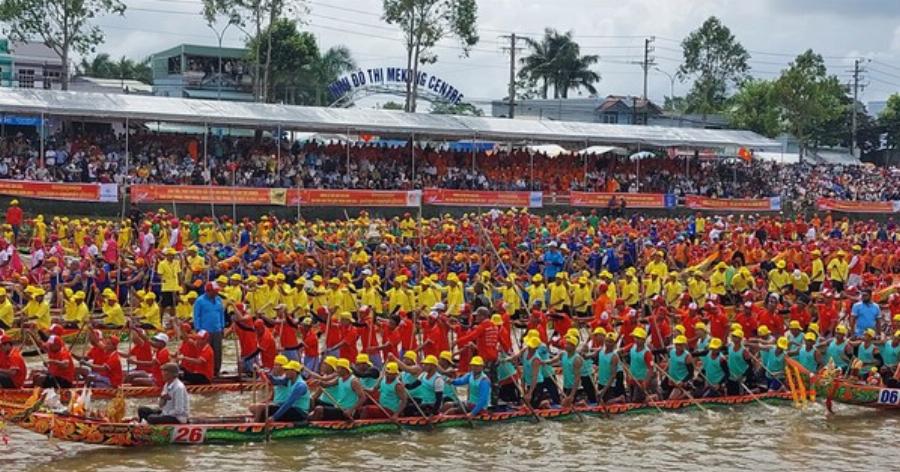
479 386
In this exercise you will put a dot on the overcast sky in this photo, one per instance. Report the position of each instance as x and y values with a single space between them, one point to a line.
774 31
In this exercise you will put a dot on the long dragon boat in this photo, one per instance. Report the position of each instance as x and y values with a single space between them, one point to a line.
844 391
219 385
241 429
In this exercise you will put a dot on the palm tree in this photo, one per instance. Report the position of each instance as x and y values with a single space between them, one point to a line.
325 69
556 60
102 66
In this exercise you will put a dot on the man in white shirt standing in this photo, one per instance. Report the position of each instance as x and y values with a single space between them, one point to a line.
174 403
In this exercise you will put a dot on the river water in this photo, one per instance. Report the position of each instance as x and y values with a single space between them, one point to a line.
742 437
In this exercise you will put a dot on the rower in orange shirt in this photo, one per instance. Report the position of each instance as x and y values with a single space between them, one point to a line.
13 370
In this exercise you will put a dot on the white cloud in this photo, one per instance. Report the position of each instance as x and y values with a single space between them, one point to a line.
830 27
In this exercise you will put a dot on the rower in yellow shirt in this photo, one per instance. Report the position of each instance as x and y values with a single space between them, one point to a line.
511 295
428 296
657 265
7 311
612 292
113 315
697 288
582 297
148 313
630 288
651 284
742 281
37 310
537 292
817 271
170 273
673 289
185 309
399 296
370 296
455 294
717 280
75 311
359 256
779 278
800 282
559 293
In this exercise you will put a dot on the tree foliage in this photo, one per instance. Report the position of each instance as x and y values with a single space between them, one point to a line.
556 60
300 72
103 67
889 120
259 15
424 23
809 99
65 26
717 61
467 109
755 107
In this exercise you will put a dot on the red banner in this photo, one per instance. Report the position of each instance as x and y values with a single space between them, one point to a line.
473 198
632 200
207 194
849 206
698 202
51 191
368 198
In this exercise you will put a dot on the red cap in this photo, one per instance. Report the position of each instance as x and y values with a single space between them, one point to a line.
5 339
56 329
259 324
114 340
211 287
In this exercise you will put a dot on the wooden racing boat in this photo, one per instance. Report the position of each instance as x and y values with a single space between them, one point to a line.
844 391
241 429
219 385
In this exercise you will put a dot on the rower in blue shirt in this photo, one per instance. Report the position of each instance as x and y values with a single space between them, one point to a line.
479 389
295 408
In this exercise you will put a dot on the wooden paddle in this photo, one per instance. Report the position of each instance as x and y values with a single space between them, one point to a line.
674 382
418 408
638 383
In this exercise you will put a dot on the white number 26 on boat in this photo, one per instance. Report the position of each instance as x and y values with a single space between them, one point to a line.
188 434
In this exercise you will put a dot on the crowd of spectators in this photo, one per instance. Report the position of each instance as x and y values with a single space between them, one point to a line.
255 161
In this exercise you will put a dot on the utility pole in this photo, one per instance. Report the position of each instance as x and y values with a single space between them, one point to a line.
857 71
648 62
512 71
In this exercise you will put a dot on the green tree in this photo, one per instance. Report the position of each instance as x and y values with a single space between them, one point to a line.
392 105
716 60
325 69
101 66
809 98
467 109
755 107
291 58
675 104
556 60
889 120
260 14
65 26
424 23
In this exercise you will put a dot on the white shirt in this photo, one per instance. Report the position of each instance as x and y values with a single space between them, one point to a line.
178 404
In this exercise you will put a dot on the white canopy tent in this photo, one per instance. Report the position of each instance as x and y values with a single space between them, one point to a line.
104 106
603 150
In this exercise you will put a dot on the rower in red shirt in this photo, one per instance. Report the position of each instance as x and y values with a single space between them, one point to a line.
349 337
108 372
747 319
434 334
197 359
60 372
538 321
266 342
12 366
333 334
244 328
660 328
150 372
485 335
717 321
310 336
799 312
407 332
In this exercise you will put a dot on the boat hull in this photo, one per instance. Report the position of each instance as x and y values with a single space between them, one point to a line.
91 431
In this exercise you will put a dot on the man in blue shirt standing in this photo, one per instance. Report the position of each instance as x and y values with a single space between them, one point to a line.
553 261
865 315
209 315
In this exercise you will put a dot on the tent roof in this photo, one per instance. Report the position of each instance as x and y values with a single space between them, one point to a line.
298 118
